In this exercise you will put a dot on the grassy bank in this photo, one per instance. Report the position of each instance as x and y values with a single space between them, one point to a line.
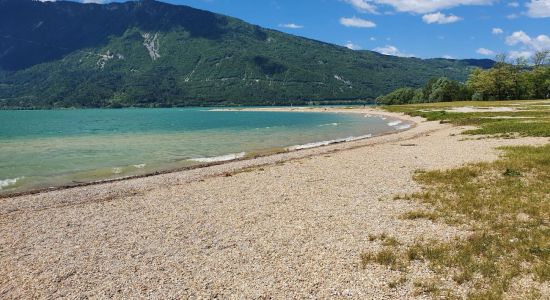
527 118
504 204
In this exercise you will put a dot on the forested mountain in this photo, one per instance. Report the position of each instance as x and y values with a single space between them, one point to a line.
149 54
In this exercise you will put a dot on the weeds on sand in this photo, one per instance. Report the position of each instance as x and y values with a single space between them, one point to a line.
387 257
506 205
395 283
426 287
419 214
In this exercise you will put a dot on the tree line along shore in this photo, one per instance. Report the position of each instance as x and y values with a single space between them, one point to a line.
518 79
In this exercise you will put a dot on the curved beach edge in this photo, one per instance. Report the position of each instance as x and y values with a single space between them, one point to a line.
277 155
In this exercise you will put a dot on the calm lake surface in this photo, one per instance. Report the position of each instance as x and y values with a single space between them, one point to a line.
56 147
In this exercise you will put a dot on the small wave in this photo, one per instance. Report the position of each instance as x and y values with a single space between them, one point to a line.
329 124
395 123
402 127
227 157
356 138
221 109
10 181
314 145
330 142
140 166
117 170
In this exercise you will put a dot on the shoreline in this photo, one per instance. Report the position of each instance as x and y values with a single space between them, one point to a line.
369 111
290 225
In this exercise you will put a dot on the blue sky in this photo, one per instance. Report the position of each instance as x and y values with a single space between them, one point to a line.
421 28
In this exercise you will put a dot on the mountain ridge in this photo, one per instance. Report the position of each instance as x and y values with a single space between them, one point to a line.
148 53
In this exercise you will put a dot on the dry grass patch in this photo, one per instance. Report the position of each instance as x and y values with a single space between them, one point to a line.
419 214
506 204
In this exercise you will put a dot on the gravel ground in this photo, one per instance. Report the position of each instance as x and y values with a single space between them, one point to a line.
291 225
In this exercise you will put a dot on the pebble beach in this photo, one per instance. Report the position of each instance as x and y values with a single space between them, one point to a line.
288 225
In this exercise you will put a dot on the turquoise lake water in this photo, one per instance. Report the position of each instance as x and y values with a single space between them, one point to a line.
48 148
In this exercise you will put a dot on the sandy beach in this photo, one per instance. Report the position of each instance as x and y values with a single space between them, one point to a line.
290 225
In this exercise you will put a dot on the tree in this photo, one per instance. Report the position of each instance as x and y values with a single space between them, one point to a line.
541 58
444 89
507 80
401 96
481 83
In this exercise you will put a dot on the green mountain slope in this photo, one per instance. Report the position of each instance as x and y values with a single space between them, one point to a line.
148 53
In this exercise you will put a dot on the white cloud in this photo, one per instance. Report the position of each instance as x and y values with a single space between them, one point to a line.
415 6
485 51
497 31
357 22
363 5
372 38
352 46
446 56
538 9
512 16
291 26
541 42
513 4
94 1
391 50
520 54
440 18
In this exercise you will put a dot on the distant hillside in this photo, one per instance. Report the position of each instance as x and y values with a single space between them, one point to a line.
148 53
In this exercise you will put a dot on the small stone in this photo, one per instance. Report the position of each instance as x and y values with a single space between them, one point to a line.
523 217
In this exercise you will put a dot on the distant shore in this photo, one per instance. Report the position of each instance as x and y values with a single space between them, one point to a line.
287 225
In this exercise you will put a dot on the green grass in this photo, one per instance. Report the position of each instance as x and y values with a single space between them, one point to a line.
387 257
505 205
531 118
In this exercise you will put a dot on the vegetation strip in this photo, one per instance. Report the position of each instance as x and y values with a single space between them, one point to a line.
505 204
517 80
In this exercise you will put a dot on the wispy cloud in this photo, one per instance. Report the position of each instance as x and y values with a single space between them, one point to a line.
416 6
352 46
520 54
357 22
538 43
440 18
391 50
538 8
363 6
497 31
291 26
485 51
